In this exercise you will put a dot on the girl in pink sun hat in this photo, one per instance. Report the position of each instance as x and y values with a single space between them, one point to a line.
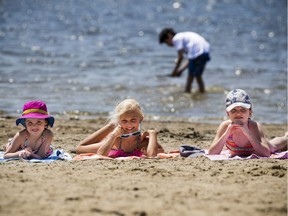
34 141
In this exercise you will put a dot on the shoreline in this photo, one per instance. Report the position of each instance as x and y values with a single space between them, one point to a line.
85 115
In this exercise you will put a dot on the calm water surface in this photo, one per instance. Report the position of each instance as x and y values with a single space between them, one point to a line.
82 57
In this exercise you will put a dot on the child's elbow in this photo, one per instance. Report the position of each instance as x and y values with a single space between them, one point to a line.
151 154
78 149
265 153
212 151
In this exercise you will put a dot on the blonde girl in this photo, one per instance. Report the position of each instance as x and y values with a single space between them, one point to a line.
122 136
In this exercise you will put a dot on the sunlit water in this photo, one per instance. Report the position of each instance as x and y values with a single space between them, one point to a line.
82 57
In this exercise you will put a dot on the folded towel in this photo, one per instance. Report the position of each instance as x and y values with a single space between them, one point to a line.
190 151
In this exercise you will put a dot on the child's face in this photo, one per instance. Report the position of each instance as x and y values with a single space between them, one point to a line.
168 40
239 115
130 122
35 126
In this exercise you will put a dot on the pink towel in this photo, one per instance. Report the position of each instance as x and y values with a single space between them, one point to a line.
88 156
225 155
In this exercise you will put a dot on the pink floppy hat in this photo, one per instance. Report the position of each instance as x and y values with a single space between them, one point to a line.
35 110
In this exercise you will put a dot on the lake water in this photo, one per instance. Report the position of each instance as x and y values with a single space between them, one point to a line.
82 57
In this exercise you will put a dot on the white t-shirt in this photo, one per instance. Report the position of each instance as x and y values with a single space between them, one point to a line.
191 43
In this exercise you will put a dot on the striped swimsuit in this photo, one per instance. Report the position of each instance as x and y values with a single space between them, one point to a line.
237 150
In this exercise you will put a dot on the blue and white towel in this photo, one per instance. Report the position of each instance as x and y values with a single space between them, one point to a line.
58 154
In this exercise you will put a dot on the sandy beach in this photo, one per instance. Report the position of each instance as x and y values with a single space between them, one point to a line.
178 186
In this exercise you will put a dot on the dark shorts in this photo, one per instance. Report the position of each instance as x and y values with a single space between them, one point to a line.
197 65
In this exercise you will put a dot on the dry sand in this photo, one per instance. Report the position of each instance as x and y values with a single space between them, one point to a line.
178 186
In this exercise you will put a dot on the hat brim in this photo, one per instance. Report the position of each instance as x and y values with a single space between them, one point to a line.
232 106
21 120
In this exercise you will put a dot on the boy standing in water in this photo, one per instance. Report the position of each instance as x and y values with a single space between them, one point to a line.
197 50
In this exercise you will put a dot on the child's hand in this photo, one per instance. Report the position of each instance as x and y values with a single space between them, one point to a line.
117 131
239 125
144 135
150 132
25 153
177 74
237 122
244 128
232 126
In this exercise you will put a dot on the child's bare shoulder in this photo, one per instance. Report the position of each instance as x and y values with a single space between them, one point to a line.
47 132
225 123
253 124
22 133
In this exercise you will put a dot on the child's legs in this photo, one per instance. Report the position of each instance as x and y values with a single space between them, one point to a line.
278 143
200 84
189 83
196 68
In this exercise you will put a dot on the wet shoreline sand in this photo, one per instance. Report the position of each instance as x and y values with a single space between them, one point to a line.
176 186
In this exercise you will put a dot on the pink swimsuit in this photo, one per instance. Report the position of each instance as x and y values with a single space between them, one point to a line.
114 153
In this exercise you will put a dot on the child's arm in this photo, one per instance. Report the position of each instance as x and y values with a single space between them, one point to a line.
108 142
183 67
178 63
152 148
257 138
15 145
278 143
220 138
45 147
94 139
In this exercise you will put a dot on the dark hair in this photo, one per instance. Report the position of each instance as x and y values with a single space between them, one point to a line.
164 34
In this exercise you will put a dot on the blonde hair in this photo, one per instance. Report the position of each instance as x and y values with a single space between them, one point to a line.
124 107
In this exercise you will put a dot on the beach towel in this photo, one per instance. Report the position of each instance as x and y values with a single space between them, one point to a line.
89 156
187 152
58 154
225 155
193 152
